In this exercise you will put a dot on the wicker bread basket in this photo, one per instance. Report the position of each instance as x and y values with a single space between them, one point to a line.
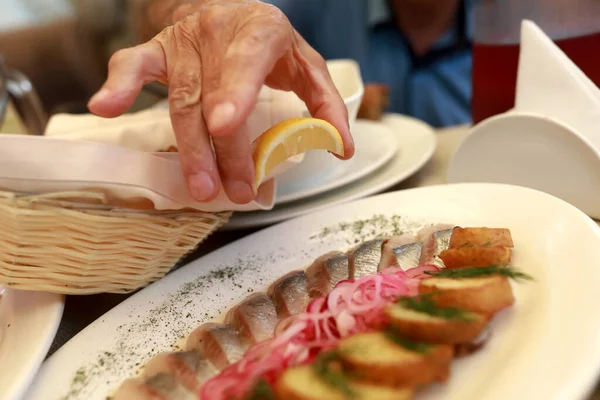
77 243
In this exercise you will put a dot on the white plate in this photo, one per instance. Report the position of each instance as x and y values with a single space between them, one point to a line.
416 142
545 347
535 151
375 145
28 324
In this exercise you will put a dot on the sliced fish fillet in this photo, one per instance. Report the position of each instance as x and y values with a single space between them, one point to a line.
325 272
426 232
158 387
254 318
401 252
290 294
434 243
188 367
218 343
365 258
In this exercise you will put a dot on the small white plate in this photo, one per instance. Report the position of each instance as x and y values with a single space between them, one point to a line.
535 151
416 142
546 347
28 324
375 145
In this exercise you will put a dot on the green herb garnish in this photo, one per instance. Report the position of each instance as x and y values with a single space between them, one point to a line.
487 244
417 347
466 244
327 367
261 391
425 305
475 272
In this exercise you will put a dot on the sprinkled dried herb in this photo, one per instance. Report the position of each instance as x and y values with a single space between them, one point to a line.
377 226
476 272
466 244
175 316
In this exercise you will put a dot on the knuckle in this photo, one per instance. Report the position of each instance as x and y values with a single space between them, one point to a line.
120 57
272 12
320 64
185 92
187 26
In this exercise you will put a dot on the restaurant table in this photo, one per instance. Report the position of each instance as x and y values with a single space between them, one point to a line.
80 311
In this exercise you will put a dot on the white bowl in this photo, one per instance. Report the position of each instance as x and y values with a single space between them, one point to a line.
347 79
535 151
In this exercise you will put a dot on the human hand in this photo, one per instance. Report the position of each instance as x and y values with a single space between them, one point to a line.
215 59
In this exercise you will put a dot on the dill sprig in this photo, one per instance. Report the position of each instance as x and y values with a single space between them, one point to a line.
475 272
327 366
424 304
408 344
261 391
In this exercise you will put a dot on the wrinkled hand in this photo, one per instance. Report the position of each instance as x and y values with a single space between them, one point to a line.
215 59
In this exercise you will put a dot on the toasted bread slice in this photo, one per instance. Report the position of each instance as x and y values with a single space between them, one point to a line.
375 358
475 256
302 383
485 295
475 237
424 327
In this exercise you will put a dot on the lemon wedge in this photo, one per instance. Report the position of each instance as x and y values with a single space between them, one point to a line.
292 137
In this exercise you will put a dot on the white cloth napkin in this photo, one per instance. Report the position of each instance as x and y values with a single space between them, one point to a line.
121 157
549 83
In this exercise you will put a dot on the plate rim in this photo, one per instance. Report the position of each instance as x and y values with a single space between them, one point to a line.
366 170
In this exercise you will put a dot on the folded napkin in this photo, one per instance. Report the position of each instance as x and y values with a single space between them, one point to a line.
549 83
125 157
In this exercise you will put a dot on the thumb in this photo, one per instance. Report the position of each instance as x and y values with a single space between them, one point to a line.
128 71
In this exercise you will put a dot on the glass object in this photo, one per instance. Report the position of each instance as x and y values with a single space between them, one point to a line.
574 25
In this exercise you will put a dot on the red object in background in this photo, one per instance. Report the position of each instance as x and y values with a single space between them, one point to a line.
495 72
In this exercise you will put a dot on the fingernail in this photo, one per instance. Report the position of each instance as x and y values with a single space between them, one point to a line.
100 95
239 191
201 186
221 116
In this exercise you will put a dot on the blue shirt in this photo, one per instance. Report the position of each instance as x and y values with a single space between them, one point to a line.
435 88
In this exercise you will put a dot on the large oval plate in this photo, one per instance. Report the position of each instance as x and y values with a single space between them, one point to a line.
546 347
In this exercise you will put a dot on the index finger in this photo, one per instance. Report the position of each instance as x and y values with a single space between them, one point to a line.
317 90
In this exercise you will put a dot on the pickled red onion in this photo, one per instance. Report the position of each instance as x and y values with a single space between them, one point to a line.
351 307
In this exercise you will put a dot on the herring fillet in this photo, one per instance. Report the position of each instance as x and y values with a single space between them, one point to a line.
188 367
218 343
255 318
290 294
433 245
326 272
364 259
212 347
402 251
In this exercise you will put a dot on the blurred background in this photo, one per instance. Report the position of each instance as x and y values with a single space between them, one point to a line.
63 47
55 53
